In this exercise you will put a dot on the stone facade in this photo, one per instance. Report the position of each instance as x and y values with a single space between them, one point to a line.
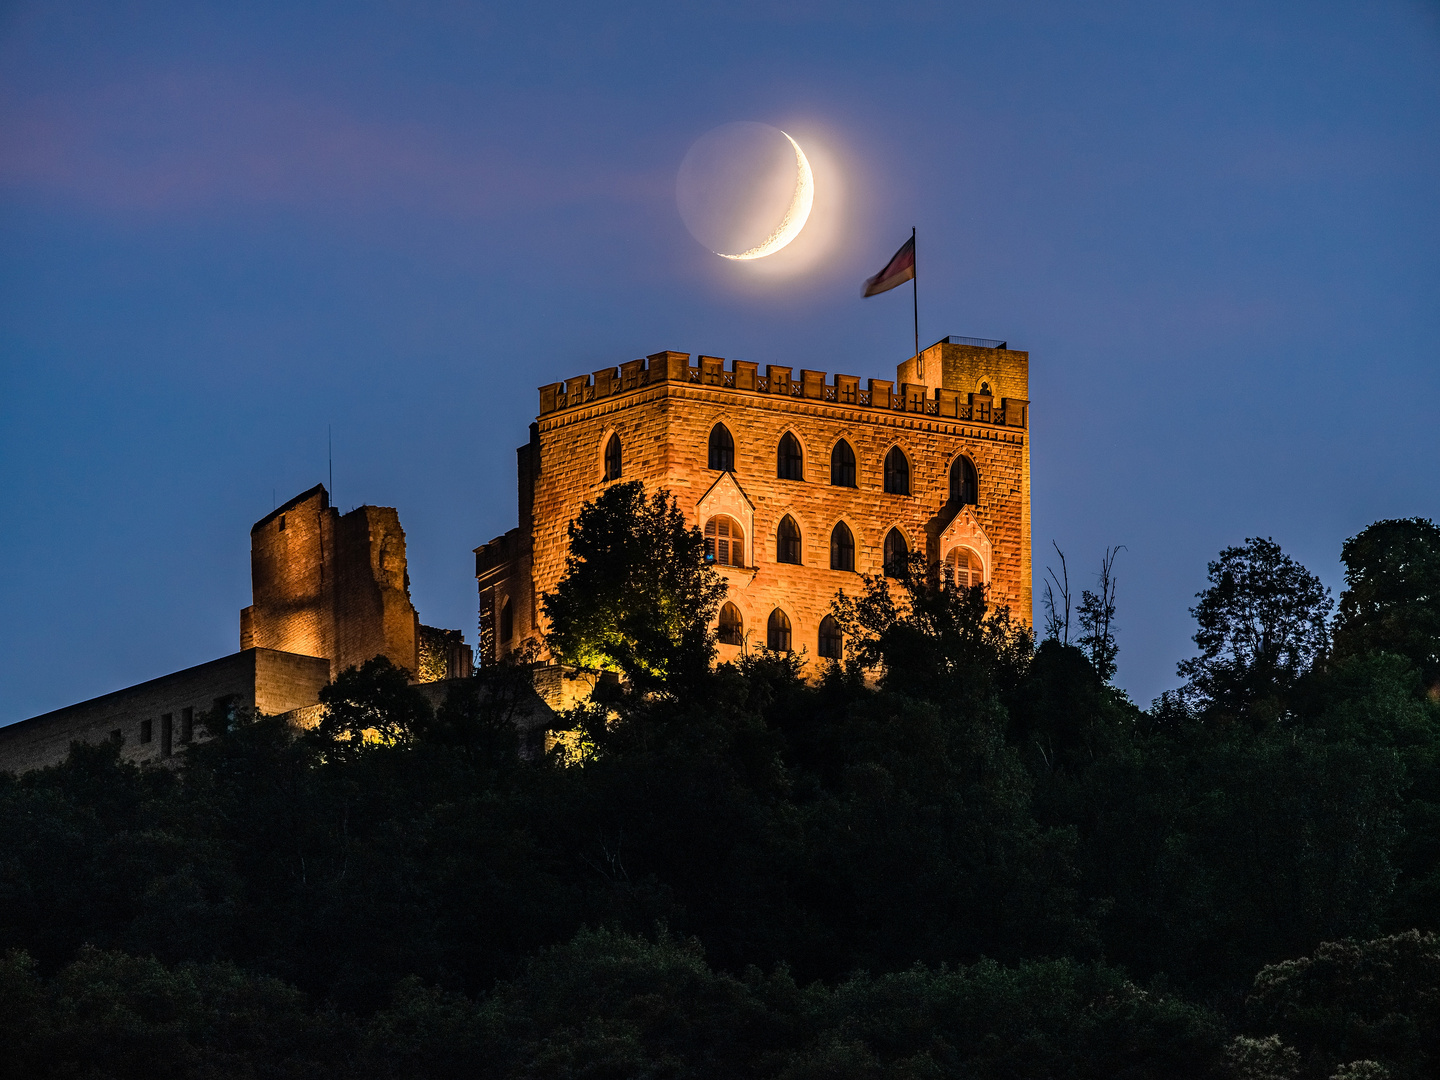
155 720
329 591
953 402
331 585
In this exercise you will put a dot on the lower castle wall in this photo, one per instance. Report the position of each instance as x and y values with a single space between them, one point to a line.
270 681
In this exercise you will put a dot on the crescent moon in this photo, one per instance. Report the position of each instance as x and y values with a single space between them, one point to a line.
795 217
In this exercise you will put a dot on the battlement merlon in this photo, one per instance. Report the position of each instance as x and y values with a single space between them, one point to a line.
948 381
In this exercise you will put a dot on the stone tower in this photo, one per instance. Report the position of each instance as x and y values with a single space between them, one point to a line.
800 481
331 585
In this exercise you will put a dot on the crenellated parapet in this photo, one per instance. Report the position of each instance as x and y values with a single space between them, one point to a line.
744 376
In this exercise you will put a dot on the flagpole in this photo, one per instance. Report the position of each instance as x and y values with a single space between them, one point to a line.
915 295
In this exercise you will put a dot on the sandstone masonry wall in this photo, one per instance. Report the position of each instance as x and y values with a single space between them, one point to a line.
664 412
269 681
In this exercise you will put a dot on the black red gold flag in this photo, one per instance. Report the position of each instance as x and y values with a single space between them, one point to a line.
900 269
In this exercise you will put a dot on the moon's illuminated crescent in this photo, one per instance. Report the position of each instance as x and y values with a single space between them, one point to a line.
795 217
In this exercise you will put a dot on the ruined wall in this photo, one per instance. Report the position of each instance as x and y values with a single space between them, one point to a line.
329 585
664 411
157 719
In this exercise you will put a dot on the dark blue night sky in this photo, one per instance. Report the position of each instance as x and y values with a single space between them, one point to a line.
226 227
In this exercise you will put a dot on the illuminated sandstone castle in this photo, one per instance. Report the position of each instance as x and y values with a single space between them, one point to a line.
329 591
799 482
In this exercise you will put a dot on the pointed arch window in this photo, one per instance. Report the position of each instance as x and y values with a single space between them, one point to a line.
724 541
787 541
842 548
964 484
897 554
897 472
842 465
968 569
507 619
789 460
732 626
777 631
612 458
722 449
832 642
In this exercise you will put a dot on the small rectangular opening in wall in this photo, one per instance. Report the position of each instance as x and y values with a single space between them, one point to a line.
146 730
225 709
167 728
187 724
117 735
281 526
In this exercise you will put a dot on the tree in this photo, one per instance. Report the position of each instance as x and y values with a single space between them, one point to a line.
1262 626
1392 604
1056 600
1353 1001
373 703
1097 619
934 635
637 595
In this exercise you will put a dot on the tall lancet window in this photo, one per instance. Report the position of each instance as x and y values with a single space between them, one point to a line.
612 458
722 449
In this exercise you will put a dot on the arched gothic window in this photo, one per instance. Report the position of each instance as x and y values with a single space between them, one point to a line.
507 619
842 548
724 541
842 465
832 642
612 458
777 631
969 570
787 541
964 484
897 472
789 461
897 554
732 626
722 449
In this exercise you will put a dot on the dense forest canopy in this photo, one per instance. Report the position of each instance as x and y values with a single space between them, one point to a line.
955 853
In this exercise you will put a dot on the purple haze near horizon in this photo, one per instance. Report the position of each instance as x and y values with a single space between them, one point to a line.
225 227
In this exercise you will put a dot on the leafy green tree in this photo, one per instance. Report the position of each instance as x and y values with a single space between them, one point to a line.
1351 1001
636 595
927 636
108 1014
1392 603
371 704
1262 626
481 716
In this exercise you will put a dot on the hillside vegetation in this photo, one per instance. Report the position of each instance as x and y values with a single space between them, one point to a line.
955 854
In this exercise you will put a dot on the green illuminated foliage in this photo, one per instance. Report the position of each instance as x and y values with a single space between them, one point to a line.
636 596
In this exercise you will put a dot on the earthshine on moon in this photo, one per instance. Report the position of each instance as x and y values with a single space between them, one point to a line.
795 217
737 182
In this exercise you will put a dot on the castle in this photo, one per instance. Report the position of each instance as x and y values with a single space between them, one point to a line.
798 481
329 591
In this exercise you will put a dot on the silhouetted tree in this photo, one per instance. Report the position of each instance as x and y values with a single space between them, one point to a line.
371 704
1056 600
934 635
636 594
1097 618
1392 603
1262 626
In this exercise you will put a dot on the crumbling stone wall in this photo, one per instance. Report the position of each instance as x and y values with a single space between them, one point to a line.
331 585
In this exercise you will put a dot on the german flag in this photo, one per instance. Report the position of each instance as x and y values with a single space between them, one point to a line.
900 269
